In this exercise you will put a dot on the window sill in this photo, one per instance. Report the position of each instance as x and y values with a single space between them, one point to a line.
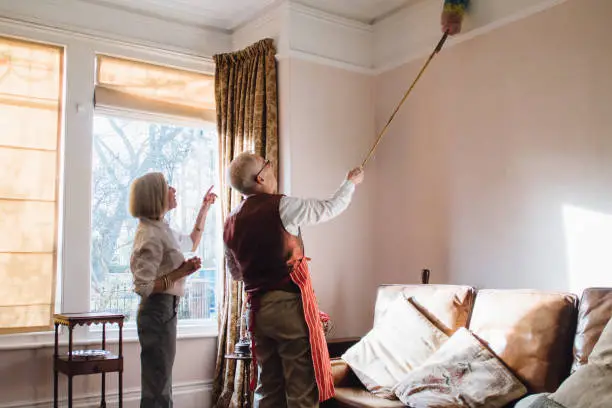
93 336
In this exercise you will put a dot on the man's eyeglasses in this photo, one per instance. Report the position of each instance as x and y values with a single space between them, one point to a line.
266 164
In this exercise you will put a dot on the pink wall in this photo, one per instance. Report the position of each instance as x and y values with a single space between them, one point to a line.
327 125
498 170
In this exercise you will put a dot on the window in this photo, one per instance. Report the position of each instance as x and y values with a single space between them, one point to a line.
30 111
124 149
151 118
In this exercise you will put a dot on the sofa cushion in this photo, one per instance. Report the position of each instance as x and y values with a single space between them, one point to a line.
462 373
400 341
358 397
594 311
449 306
531 331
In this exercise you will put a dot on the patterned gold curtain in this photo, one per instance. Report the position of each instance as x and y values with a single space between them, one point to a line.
247 120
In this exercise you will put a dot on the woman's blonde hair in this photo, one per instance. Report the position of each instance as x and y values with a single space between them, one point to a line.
149 196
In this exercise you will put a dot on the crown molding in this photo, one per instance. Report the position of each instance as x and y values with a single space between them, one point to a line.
299 31
484 16
308 34
317 14
65 36
91 20
271 23
326 37
317 59
304 33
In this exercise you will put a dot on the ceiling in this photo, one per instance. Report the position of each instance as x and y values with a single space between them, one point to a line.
365 11
228 14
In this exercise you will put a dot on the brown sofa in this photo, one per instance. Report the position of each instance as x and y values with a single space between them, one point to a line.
540 336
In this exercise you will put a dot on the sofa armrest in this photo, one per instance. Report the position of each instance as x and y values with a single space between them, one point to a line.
343 375
337 347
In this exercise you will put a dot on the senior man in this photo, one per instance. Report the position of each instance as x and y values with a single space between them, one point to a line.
264 249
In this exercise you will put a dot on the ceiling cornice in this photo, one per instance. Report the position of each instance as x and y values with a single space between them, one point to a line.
300 32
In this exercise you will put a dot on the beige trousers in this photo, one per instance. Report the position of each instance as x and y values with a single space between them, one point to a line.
286 376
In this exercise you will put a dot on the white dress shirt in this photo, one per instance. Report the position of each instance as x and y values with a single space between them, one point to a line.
157 251
299 212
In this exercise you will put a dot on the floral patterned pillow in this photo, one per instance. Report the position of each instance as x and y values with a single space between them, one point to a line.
462 373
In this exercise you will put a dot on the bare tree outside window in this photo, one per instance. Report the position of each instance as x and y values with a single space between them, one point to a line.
124 149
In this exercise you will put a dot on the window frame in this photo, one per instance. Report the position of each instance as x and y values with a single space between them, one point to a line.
186 328
75 168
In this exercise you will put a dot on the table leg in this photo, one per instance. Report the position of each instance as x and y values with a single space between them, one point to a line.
69 391
120 389
70 363
55 373
103 401
55 402
121 371
247 385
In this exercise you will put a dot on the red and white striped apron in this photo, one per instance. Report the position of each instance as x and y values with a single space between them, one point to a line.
318 346
320 354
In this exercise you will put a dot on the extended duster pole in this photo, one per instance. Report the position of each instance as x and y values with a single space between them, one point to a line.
384 130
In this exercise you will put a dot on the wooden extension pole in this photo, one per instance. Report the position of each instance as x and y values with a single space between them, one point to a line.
384 130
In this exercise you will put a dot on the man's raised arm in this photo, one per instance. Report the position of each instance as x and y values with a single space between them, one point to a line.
296 212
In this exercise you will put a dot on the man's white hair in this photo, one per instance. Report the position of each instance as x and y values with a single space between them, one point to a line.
242 171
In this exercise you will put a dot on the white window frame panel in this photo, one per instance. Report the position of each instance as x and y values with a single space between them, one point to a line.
74 240
186 328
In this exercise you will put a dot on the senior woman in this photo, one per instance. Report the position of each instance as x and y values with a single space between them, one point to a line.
159 270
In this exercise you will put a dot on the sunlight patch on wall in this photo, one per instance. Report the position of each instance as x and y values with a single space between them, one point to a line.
588 237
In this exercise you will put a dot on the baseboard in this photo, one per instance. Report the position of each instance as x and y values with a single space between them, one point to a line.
186 395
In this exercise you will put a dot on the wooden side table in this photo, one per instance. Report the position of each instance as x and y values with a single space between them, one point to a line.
77 362
246 362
